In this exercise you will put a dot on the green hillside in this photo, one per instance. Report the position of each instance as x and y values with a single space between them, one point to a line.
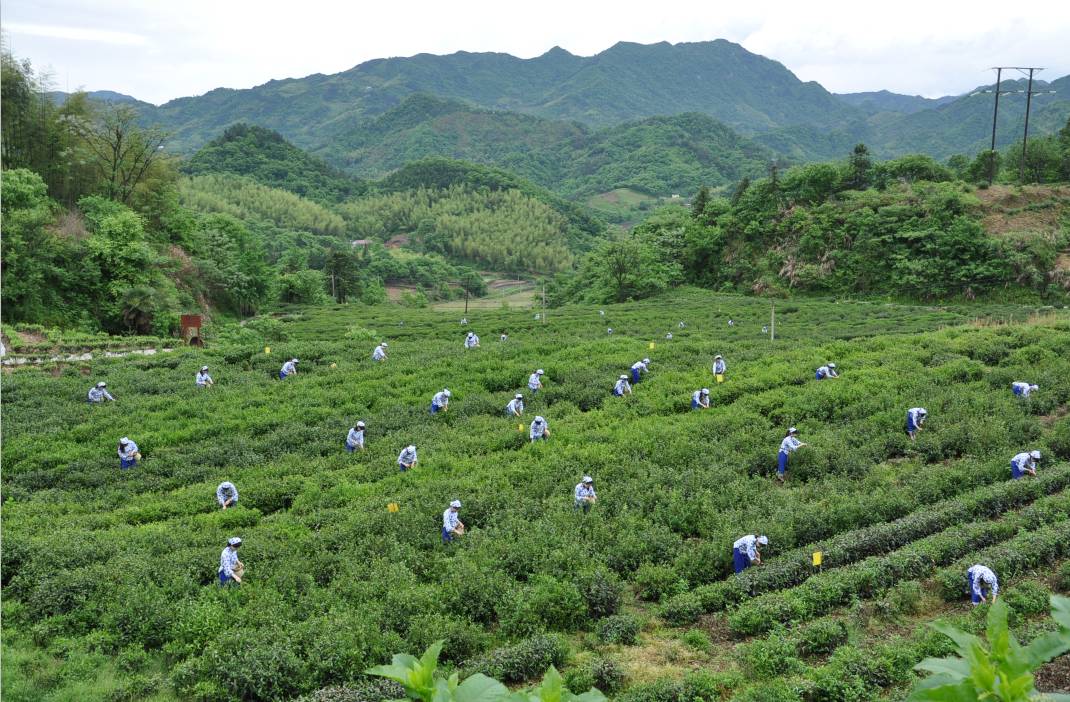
877 101
110 578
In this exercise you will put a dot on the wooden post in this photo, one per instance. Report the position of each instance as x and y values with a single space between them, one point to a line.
772 321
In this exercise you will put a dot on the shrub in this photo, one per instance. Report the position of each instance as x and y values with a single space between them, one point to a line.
697 639
607 675
618 629
772 691
1026 599
820 637
523 661
602 591
1062 581
258 664
373 690
664 690
770 657
463 639
682 609
656 582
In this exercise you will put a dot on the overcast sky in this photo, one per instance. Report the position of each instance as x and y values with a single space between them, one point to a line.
157 50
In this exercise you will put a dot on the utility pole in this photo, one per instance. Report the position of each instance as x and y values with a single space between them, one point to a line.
544 303
1029 93
1025 132
466 299
995 111
772 321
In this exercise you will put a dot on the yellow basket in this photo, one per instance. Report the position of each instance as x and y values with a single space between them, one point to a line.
720 377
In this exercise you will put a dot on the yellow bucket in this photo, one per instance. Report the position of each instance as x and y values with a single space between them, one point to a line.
720 377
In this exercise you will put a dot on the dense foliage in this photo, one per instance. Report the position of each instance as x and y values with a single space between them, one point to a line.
114 573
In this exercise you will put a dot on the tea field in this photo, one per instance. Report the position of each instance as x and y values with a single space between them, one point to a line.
109 578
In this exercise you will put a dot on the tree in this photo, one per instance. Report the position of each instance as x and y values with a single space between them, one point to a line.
139 309
699 204
342 270
120 151
984 167
741 188
860 164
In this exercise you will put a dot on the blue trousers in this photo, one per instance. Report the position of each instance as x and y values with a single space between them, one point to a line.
911 426
224 579
282 376
740 562
635 375
435 408
617 393
974 597
1016 472
402 468
349 448
125 463
819 376
694 404
447 535
781 462
1017 391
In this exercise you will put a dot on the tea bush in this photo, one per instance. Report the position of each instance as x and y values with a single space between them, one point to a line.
619 629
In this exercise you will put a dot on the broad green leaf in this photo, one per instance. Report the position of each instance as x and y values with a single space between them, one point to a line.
592 695
1047 646
955 668
551 688
480 688
997 630
394 672
936 690
963 640
442 692
1060 611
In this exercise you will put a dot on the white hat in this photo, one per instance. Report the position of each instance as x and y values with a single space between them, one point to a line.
204 368
384 344
718 356
793 430
763 540
411 446
102 384
1034 387
519 396
539 420
124 440
1035 455
446 392
539 372
360 424
624 377
832 365
234 541
705 391
646 360
923 412
588 479
456 504
294 360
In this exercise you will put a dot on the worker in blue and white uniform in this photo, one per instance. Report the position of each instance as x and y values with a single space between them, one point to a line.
407 458
746 551
638 368
790 444
609 331
535 381
682 325
288 368
539 430
441 401
622 387
226 494
700 399
230 568
203 379
128 453
916 417
828 371
515 408
379 354
584 496
471 341
668 337
464 321
355 438
719 366
1024 464
982 583
99 393
1022 389
451 522
504 338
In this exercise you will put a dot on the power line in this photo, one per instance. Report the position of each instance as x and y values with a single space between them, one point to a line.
1029 93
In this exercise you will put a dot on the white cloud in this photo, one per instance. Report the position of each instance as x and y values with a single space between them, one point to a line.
53 31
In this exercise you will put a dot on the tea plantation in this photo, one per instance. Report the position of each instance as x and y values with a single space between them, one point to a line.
109 577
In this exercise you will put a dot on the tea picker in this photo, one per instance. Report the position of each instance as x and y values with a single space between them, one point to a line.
128 453
609 331
230 568
700 399
828 371
452 526
464 321
1021 389
539 430
515 408
746 551
790 444
379 354
407 458
622 387
99 393
441 401
504 338
982 584
1024 463
355 438
719 367
640 367
226 494
916 417
288 368
471 341
668 337
682 325
584 495
203 379
535 381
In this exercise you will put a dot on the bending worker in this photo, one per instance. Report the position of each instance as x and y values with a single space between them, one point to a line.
700 399
535 381
584 495
983 585
99 393
407 458
638 368
622 387
539 430
471 341
203 379
355 438
916 417
790 444
230 568
441 401
1022 389
128 453
828 371
1024 463
288 368
226 494
515 408
746 551
379 354
451 522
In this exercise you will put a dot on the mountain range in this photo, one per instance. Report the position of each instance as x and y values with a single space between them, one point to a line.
559 117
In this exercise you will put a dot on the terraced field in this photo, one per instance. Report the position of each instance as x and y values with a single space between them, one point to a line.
109 577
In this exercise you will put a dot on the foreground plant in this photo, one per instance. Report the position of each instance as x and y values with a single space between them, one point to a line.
1002 670
421 681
